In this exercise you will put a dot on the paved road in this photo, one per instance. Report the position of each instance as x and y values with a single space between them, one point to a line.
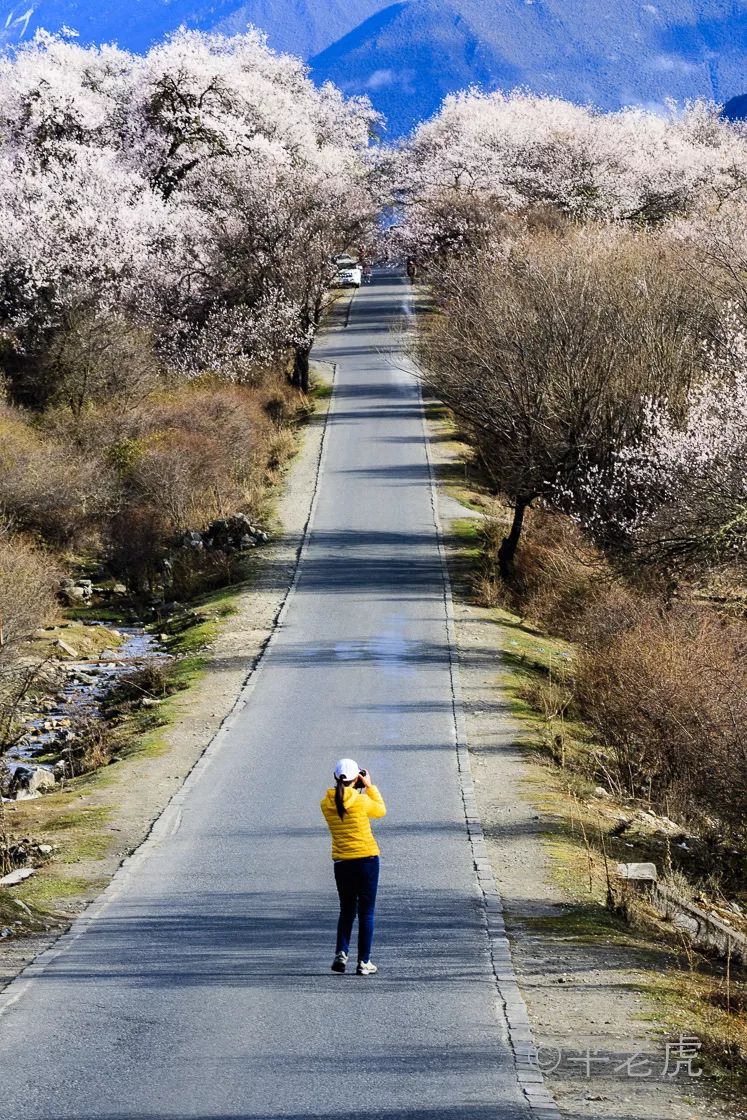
201 988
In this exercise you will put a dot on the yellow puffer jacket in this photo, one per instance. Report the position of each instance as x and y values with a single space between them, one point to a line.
352 837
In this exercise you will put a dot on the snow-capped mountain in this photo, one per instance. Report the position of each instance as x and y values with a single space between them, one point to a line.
407 55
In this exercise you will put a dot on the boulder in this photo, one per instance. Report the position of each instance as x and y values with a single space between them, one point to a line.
15 877
68 650
192 539
30 781
72 596
76 591
227 534
643 873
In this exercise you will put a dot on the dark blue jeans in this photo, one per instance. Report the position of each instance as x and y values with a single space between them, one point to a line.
357 880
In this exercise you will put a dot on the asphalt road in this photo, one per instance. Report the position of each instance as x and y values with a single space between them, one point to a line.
200 987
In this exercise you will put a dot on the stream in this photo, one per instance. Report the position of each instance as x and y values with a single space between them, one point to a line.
83 685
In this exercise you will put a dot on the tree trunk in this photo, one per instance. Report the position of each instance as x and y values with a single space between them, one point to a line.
301 368
509 544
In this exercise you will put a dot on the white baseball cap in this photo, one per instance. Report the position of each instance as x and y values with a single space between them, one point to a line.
347 769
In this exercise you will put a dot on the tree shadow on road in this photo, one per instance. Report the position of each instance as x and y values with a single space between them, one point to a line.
491 1111
276 939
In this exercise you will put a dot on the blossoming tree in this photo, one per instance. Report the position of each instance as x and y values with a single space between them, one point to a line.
201 189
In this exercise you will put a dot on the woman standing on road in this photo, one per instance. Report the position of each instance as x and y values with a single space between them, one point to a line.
348 808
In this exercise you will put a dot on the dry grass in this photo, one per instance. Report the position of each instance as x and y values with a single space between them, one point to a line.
664 684
122 479
154 680
669 694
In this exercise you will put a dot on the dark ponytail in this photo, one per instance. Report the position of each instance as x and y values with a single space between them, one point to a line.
340 797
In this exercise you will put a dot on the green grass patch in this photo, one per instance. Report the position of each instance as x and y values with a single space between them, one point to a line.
465 534
195 638
78 832
580 922
90 845
321 390
688 1001
86 817
48 888
120 615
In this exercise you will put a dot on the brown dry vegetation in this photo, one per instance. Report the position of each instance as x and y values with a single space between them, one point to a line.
547 345
662 680
28 581
122 483
109 461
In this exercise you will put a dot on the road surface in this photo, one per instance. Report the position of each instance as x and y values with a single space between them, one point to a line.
200 987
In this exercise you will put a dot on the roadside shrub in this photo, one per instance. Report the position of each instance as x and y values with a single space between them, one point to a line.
27 600
560 576
155 679
201 448
664 683
137 536
192 571
94 744
187 475
545 348
97 356
48 488
27 593
669 694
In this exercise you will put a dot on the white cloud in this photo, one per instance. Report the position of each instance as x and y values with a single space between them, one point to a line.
381 78
672 62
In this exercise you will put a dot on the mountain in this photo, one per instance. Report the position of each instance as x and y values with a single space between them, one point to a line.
407 55
302 27
735 108
610 54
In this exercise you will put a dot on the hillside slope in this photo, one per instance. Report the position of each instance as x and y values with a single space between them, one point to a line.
300 26
412 53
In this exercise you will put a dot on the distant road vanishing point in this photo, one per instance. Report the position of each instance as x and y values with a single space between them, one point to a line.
199 988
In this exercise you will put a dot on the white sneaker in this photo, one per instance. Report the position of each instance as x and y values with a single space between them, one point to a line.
340 962
366 968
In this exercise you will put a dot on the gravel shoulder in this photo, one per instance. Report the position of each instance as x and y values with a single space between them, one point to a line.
584 982
124 800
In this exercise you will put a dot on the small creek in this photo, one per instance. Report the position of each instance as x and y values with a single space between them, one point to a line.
83 685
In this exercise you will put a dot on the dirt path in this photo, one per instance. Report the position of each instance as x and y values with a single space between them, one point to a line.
133 792
582 983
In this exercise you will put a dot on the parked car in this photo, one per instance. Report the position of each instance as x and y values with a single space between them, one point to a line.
349 277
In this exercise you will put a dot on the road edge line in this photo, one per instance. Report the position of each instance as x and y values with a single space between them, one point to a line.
167 821
538 1097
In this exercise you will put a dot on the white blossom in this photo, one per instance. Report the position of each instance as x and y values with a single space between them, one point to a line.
194 187
489 152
